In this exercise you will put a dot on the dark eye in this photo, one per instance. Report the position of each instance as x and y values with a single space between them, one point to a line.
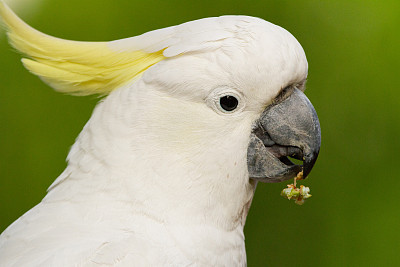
228 102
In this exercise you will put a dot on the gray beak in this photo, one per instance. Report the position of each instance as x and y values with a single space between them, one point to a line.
289 128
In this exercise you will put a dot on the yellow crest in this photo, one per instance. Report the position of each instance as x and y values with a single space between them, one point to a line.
79 68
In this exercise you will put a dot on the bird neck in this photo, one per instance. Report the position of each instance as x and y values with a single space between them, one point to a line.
195 184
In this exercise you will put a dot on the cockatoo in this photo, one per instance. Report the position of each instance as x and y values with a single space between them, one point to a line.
164 172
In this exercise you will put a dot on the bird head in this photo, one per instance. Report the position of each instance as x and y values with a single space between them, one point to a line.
240 79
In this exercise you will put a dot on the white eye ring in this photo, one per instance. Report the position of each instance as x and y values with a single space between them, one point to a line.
225 100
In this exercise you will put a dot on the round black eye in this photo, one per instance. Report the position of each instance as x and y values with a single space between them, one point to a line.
228 102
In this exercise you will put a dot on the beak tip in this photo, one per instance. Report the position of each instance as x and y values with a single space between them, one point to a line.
309 163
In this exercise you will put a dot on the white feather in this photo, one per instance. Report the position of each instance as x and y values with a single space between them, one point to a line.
158 177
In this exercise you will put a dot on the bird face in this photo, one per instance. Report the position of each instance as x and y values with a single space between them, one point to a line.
220 113
256 87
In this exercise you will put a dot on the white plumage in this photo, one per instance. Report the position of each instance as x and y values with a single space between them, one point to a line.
158 176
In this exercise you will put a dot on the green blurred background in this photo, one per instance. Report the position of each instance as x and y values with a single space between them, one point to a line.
352 47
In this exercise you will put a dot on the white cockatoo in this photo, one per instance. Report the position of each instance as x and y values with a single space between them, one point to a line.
164 172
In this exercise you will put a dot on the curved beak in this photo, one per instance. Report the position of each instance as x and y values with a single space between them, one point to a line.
288 129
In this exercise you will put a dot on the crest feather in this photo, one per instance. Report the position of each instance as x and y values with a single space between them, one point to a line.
79 68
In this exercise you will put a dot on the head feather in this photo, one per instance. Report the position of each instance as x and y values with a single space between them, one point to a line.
80 68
